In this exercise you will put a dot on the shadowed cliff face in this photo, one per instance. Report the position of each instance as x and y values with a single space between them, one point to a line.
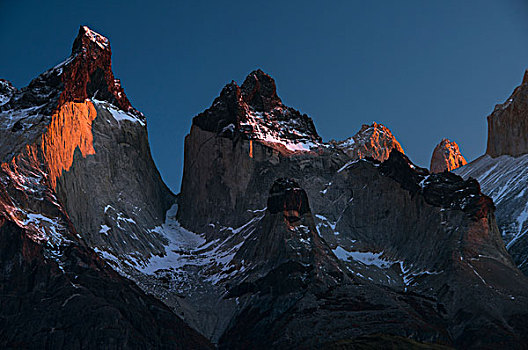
390 226
77 302
502 171
508 124
286 235
293 286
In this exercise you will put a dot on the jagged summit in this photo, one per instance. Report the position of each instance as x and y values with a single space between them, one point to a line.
85 74
88 72
254 111
88 40
260 92
76 177
374 141
446 156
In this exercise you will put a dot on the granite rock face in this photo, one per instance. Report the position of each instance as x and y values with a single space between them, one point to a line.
502 172
508 124
505 180
245 126
425 244
372 141
446 157
56 292
93 142
277 240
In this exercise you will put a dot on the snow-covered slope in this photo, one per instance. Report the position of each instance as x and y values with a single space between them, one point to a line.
503 171
505 180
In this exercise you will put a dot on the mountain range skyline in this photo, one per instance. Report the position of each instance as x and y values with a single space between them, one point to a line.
277 238
416 68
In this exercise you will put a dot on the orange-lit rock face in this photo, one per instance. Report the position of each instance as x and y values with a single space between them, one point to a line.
70 128
446 156
90 71
374 141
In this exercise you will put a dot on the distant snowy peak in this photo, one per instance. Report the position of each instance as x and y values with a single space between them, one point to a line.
374 141
254 111
446 156
508 124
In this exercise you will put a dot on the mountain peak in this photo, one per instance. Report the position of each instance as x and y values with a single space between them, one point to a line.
89 40
259 91
446 156
88 72
374 141
255 112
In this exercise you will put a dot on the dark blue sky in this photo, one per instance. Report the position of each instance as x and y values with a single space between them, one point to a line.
425 69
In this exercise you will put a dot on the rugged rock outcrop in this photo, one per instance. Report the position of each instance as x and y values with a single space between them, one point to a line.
55 291
230 145
395 228
83 123
373 141
253 111
503 171
446 157
505 180
77 302
508 124
293 286
281 241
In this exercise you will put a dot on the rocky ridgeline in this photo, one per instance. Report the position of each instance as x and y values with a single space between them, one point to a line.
388 223
446 157
279 240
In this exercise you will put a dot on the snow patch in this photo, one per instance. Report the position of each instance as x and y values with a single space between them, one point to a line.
366 258
104 229
118 114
